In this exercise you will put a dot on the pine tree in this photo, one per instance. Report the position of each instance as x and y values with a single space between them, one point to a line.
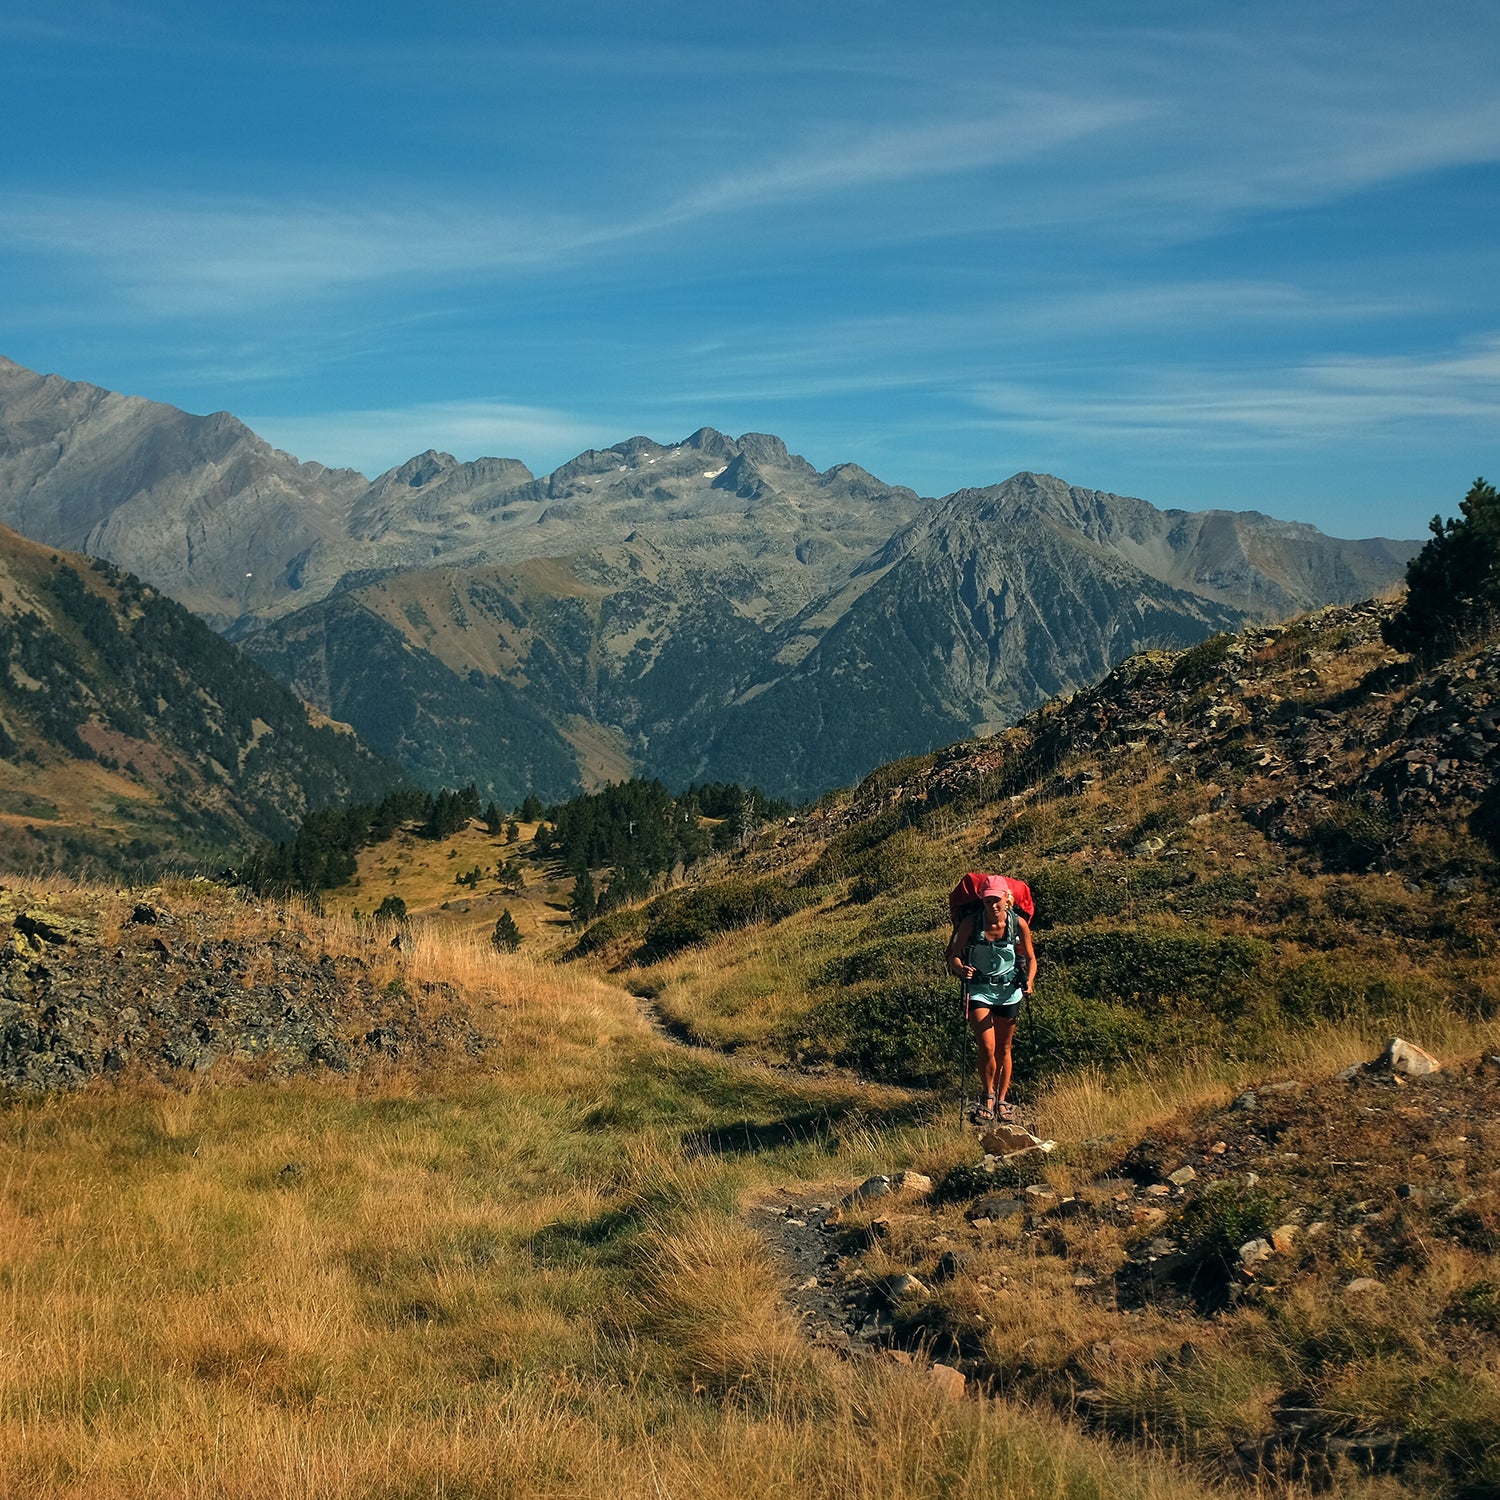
1453 583
583 906
506 936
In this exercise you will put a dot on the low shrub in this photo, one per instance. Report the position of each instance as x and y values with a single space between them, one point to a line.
907 1029
920 912
901 862
1355 835
1060 1032
1201 664
1216 1223
682 918
1188 969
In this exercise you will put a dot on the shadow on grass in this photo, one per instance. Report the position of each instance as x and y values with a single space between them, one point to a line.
567 1242
812 1127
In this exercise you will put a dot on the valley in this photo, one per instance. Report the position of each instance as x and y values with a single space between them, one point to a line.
553 1243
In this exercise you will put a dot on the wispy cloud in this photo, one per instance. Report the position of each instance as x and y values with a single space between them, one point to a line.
197 257
1033 126
1315 403
375 440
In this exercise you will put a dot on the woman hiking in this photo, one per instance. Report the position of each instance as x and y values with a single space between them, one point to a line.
991 951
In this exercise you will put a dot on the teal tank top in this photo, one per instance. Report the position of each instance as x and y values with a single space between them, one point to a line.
997 979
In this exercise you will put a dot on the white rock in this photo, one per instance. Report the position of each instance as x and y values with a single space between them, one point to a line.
1253 1252
1404 1057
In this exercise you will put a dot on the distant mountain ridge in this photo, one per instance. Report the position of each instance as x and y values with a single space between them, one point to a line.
712 608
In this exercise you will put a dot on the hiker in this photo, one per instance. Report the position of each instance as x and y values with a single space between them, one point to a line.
990 950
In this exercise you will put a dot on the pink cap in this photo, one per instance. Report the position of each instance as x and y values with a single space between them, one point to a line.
993 885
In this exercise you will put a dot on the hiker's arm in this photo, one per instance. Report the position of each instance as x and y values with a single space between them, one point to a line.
1023 945
954 957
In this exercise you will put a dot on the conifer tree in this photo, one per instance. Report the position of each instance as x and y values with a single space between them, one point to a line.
1453 583
506 936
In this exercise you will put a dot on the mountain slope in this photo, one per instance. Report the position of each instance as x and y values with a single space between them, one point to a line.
130 731
198 506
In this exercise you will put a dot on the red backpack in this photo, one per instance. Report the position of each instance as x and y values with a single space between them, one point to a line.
964 897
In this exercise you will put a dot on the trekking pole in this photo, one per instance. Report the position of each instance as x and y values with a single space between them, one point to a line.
962 1071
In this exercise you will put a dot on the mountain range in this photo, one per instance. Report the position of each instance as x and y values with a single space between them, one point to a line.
714 608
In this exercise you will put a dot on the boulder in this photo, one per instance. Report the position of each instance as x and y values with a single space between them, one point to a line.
947 1381
871 1187
1406 1058
1005 1139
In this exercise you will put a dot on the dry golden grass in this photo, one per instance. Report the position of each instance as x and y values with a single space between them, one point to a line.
423 873
504 1278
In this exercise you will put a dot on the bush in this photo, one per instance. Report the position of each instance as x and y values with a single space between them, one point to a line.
906 1029
910 916
1061 1032
1139 966
1355 834
682 918
904 860
1200 664
392 909
1217 1222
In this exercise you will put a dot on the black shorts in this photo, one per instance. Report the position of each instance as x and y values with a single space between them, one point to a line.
1005 1010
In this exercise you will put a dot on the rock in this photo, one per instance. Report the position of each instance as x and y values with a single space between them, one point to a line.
1182 1176
1247 1100
950 1263
1364 1284
947 1381
995 1206
1040 1197
1254 1253
871 1187
1006 1139
1282 1237
1149 1218
146 915
49 926
896 1288
292 1172
1158 1190
1404 1057
1349 1074
913 1184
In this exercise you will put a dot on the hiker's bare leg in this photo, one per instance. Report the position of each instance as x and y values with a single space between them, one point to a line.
1002 1033
982 1024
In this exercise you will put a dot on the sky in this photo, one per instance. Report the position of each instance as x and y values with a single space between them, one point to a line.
1208 254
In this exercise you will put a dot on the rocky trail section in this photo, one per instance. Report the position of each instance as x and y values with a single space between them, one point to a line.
1314 1230
92 990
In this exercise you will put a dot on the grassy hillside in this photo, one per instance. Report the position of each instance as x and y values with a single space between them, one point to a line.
1228 846
131 735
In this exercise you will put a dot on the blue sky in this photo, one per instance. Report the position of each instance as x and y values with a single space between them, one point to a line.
1208 254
